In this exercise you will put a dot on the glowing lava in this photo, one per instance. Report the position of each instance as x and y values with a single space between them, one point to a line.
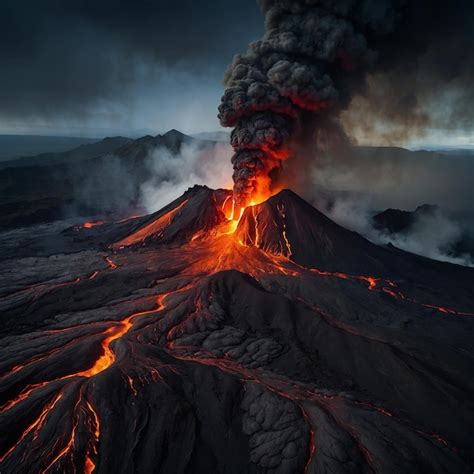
90 225
78 441
154 227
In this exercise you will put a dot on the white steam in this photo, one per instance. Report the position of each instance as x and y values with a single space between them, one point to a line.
432 235
172 173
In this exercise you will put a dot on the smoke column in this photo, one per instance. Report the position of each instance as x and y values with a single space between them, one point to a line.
282 83
312 60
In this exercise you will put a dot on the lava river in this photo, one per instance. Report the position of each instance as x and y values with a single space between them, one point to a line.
195 343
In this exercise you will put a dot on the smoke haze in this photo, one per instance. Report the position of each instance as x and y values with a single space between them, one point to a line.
172 173
324 69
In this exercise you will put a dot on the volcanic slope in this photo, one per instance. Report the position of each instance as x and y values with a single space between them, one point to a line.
183 342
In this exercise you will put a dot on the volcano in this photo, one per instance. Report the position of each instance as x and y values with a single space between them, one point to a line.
187 342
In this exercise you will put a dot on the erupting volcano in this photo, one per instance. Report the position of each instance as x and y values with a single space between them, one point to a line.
241 331
290 86
185 341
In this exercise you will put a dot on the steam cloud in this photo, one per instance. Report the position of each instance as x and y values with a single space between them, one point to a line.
316 56
434 234
161 176
172 173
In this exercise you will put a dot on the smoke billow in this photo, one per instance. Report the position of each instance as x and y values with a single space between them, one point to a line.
432 233
145 185
171 173
287 92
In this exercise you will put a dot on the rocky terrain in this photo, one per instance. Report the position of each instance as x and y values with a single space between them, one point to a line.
184 342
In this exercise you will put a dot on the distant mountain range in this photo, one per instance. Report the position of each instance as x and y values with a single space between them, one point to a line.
396 221
105 177
99 178
82 152
15 146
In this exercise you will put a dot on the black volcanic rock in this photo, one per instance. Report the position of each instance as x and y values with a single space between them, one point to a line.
287 225
396 221
197 211
231 352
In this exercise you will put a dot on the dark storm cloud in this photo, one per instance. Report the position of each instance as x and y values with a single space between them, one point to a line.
65 58
317 58
423 74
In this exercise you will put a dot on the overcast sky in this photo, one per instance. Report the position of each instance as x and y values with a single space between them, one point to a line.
88 67
97 68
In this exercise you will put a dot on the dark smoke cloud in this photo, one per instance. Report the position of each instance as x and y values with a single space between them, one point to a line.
423 75
384 59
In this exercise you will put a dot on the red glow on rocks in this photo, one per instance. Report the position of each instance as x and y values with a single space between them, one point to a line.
154 227
90 225
112 265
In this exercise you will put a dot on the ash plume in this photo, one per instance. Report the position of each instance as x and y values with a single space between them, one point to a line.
285 95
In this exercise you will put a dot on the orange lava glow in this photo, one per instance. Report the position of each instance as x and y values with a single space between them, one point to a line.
132 387
96 421
108 355
155 227
136 216
65 450
36 425
205 254
89 465
263 189
228 207
94 429
112 265
89 225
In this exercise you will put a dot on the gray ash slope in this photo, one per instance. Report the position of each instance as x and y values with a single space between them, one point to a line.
169 343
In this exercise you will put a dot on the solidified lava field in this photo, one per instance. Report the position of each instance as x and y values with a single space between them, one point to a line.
182 342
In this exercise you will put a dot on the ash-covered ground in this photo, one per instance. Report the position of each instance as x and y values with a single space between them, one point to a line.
181 342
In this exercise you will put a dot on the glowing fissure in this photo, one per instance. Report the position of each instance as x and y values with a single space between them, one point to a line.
156 227
94 428
111 264
223 254
281 211
107 357
206 254
36 425
90 225
105 360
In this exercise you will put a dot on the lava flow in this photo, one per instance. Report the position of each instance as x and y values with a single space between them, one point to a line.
90 225
279 323
103 362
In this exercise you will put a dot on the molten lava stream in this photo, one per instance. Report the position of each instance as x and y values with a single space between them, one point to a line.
41 357
154 227
66 449
36 425
90 225
94 428
105 360
226 252
107 357
112 265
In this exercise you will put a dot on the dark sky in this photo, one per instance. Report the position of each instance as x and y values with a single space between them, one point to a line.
107 67
95 67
